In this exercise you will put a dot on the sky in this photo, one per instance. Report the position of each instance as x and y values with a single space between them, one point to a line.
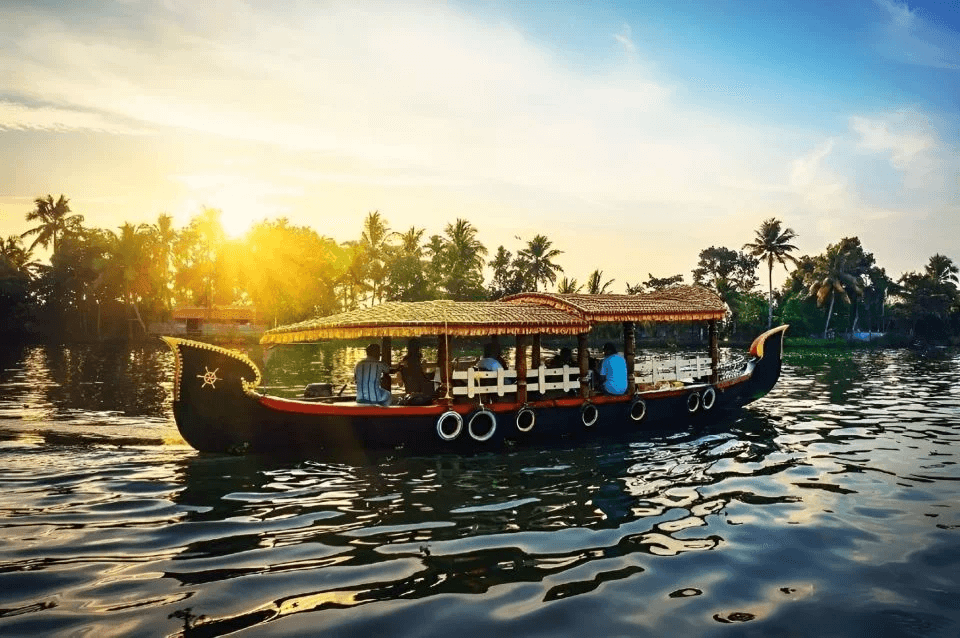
632 134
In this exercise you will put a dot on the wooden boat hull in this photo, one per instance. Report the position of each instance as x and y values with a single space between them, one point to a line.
218 409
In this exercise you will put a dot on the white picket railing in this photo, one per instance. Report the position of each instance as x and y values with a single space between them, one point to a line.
646 371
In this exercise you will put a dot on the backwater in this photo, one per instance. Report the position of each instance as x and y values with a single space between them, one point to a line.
831 508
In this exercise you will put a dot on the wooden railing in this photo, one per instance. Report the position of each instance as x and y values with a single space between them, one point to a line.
472 382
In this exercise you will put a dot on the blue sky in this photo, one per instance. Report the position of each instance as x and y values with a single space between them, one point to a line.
633 134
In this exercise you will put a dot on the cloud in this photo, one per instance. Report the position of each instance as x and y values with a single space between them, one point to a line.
908 36
625 38
908 137
21 117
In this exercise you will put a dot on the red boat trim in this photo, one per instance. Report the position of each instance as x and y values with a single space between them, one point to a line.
353 409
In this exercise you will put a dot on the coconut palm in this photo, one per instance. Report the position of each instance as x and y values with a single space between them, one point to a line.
942 270
594 287
462 256
55 221
374 241
538 259
130 265
836 273
568 286
772 244
166 236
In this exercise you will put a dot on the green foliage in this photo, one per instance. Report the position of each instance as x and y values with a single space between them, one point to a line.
771 244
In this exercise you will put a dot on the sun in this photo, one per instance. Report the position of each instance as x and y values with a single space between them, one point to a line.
237 221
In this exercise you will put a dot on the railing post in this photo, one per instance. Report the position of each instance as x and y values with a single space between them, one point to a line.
521 357
714 352
584 357
629 354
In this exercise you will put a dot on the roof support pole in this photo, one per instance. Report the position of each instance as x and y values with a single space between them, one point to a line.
584 357
629 354
714 351
386 356
535 352
521 359
443 364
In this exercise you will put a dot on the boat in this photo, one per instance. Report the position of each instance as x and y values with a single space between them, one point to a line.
219 405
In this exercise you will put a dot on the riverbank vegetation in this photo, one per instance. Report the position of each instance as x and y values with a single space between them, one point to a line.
111 284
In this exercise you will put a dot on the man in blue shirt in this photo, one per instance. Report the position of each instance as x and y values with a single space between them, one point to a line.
613 370
368 375
491 360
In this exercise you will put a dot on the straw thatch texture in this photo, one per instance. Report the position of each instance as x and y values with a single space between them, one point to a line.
681 303
414 319
216 313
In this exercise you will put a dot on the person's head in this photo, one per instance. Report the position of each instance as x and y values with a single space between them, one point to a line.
413 348
609 349
373 351
490 350
566 353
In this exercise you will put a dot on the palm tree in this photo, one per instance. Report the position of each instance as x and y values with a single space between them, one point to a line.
55 221
166 236
537 258
771 244
130 267
942 270
463 258
568 286
835 273
374 243
594 287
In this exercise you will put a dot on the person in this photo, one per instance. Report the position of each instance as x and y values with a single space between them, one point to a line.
563 358
368 375
613 370
490 361
416 383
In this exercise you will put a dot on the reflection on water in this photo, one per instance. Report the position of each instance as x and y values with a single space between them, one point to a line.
828 508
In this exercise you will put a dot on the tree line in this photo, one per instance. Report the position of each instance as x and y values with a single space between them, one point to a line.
103 283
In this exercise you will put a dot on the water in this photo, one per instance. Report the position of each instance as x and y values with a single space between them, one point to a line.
830 508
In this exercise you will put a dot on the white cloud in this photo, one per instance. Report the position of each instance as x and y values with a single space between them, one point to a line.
625 38
909 138
15 116
908 36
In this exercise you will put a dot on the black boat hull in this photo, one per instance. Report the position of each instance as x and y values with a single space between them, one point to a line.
218 409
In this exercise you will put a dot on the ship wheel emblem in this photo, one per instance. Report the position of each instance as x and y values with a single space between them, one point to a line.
209 377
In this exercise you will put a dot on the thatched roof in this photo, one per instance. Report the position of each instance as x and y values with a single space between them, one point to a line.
680 303
216 314
414 319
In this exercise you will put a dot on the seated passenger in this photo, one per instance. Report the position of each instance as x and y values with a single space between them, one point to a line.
419 388
613 371
563 358
369 377
490 361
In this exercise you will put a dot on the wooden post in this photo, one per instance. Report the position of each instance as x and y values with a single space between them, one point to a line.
629 354
714 351
386 356
521 358
443 364
584 357
535 352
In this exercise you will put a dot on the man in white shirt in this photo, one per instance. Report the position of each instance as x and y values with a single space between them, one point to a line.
368 374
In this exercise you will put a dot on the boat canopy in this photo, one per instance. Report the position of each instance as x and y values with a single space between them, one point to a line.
418 318
680 303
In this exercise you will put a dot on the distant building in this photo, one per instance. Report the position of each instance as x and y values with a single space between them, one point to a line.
224 321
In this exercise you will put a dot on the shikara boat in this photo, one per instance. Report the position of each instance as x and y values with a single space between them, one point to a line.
219 406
